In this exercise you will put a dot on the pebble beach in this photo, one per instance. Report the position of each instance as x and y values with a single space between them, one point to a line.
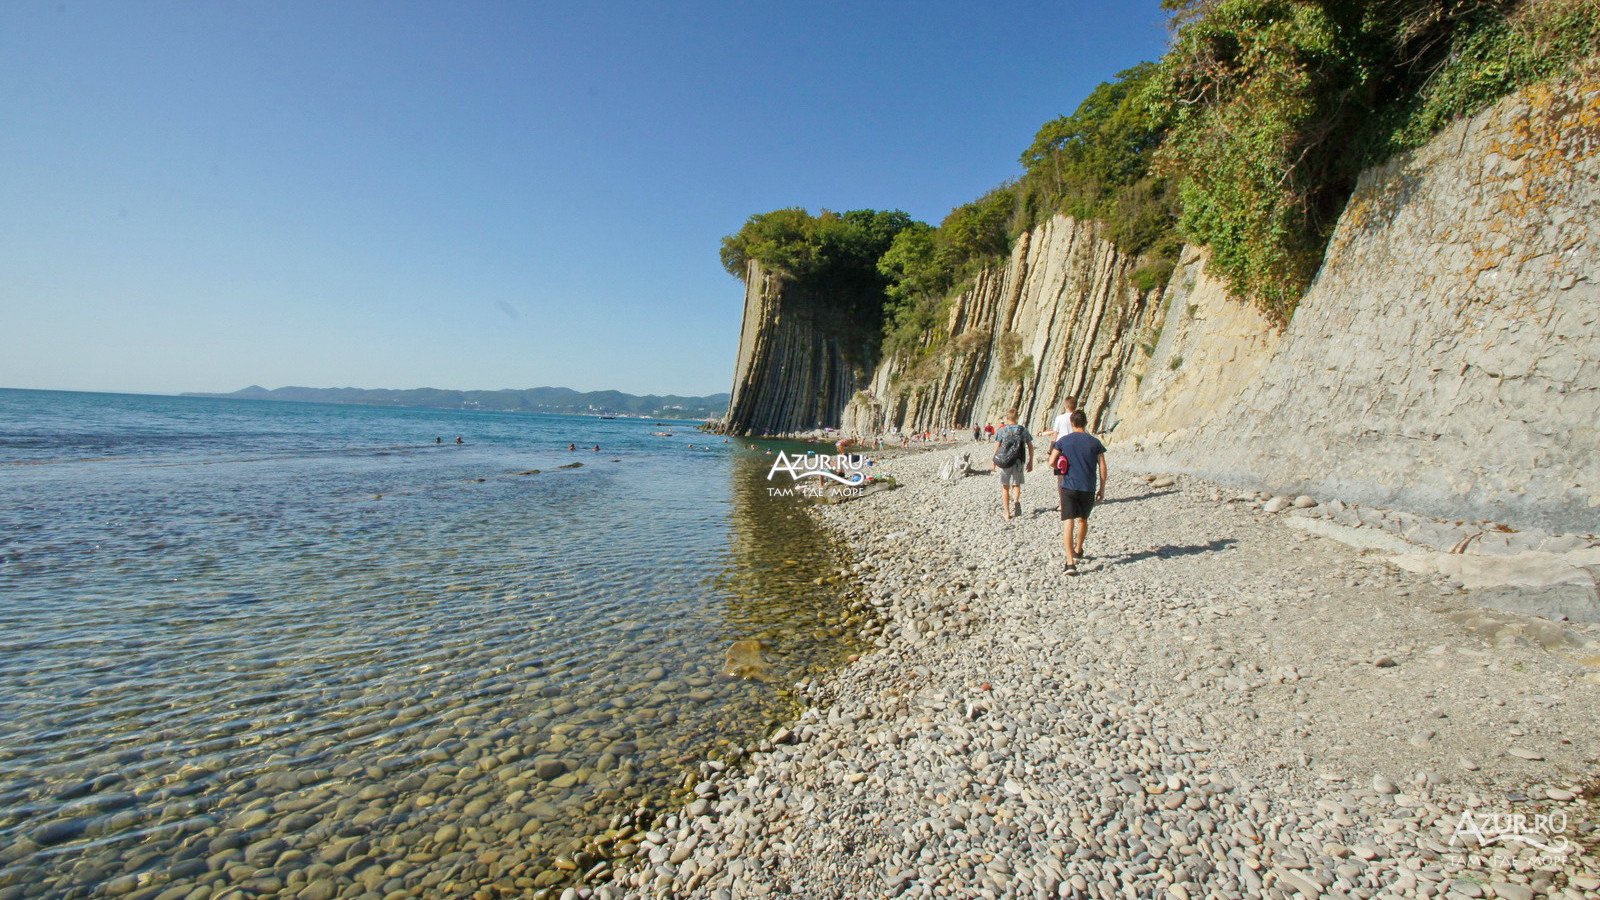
1219 706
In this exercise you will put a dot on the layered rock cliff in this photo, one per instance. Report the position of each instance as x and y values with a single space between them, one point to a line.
1447 358
1063 318
800 358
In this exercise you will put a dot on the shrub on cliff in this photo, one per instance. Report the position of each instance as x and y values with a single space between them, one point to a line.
833 255
807 247
1095 164
1248 137
1276 106
925 265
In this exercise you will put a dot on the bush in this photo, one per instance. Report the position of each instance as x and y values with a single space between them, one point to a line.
834 255
924 266
1274 108
1248 137
1095 164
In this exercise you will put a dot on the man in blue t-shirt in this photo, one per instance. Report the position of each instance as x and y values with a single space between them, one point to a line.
1081 486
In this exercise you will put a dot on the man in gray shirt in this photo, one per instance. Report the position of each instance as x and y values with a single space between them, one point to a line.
1012 456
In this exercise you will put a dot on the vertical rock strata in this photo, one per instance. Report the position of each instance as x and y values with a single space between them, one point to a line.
1447 359
799 359
1063 318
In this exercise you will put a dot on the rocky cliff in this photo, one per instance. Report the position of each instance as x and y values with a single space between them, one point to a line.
800 359
1063 318
1447 359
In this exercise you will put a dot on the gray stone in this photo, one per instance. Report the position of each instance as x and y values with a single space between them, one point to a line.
58 831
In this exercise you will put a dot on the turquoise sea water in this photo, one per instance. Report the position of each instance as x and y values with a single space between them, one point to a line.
265 645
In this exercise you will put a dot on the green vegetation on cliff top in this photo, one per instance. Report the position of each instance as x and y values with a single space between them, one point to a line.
1247 137
832 255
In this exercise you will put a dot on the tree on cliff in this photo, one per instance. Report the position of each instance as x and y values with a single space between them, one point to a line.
924 265
832 255
1276 106
1247 137
811 248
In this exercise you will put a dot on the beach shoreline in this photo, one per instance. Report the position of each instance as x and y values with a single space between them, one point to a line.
1222 705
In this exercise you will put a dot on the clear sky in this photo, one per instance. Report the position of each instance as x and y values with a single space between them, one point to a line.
203 195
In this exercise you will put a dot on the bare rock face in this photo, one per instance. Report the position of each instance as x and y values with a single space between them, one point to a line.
1447 359
801 357
1063 318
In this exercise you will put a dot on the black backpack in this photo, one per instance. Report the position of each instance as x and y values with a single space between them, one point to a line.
1012 448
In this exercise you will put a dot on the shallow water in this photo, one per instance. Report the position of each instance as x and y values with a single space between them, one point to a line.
277 645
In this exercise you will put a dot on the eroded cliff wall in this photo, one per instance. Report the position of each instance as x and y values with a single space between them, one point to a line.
799 361
1447 359
1063 318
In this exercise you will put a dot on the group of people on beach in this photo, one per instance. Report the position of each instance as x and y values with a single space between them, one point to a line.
1077 459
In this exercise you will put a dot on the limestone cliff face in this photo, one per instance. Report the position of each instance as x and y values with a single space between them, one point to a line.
1447 359
1063 318
799 360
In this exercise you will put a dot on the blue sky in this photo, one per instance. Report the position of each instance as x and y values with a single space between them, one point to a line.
200 195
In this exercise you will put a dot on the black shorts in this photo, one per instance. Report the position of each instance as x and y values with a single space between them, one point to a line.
1075 504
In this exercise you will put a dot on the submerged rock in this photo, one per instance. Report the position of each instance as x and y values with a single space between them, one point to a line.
744 660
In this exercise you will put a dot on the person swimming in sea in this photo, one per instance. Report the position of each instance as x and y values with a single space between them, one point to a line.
459 440
438 439
597 448
572 448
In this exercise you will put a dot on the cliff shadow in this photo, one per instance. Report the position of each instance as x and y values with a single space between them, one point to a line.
1171 552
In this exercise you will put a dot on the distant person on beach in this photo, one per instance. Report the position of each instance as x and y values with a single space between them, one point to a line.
1063 423
1012 457
977 433
988 431
1081 485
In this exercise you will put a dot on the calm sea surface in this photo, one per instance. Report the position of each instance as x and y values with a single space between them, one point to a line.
303 648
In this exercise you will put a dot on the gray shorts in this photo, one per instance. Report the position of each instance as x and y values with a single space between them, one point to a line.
1012 474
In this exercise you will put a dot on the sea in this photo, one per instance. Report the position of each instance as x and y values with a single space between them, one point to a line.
326 650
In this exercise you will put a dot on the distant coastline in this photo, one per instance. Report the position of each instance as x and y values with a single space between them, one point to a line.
565 401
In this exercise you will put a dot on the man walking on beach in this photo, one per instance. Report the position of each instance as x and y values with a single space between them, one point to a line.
1015 447
1083 483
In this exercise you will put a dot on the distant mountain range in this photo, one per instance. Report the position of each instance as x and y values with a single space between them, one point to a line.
530 400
